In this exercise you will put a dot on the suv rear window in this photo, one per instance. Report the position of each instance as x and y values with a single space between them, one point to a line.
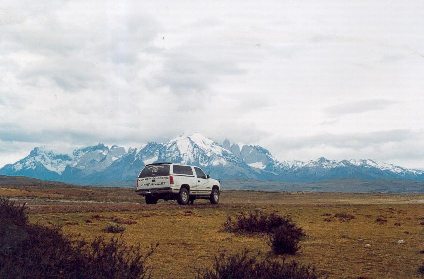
154 170
183 170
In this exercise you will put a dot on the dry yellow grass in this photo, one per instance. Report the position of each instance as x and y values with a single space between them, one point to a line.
190 236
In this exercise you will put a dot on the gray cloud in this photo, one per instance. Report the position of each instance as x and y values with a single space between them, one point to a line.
349 140
359 107
402 147
305 79
196 66
75 56
14 133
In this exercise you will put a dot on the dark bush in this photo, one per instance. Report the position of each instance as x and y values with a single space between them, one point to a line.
285 239
247 266
11 212
256 222
114 228
33 251
123 221
421 269
114 259
283 232
344 217
381 220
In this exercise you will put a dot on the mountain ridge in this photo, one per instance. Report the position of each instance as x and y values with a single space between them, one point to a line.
100 164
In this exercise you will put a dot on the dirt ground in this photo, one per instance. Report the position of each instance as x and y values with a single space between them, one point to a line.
384 239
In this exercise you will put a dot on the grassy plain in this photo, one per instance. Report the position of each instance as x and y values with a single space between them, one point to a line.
384 239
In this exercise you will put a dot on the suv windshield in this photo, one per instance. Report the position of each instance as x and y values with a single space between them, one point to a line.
154 170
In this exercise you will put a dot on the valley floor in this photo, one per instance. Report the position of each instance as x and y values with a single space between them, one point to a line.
384 239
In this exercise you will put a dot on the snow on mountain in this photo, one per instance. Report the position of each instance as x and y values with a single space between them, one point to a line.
100 164
197 148
382 166
151 160
257 165
323 163
41 162
258 156
96 158
41 157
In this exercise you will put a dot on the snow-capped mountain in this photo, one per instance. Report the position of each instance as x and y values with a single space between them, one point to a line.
45 164
115 165
324 169
95 158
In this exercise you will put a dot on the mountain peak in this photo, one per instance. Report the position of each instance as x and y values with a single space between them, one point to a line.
195 148
98 147
226 144
194 137
38 151
201 140
198 139
198 135
323 160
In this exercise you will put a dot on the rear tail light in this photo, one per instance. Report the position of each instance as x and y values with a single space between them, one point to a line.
171 179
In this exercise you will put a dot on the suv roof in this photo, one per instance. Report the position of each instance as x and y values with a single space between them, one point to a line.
164 163
167 163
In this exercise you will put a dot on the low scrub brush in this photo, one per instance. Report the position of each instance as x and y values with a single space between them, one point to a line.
256 222
247 266
34 251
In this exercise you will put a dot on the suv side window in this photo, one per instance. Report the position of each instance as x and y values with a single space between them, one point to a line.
200 173
186 170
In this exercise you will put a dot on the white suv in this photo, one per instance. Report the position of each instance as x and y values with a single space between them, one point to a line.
176 182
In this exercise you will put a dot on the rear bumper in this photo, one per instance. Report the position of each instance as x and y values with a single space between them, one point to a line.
156 191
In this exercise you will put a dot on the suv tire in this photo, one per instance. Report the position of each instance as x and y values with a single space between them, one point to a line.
214 198
183 196
151 200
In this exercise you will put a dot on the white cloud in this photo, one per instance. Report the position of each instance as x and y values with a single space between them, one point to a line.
305 79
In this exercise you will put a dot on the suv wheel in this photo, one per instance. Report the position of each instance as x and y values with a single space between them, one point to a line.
183 196
214 196
151 200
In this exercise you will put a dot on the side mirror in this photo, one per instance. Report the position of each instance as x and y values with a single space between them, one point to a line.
207 176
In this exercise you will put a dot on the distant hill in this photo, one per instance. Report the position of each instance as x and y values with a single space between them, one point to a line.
340 185
334 185
103 165
17 181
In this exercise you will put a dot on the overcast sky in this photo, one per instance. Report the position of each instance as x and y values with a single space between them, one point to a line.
334 78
